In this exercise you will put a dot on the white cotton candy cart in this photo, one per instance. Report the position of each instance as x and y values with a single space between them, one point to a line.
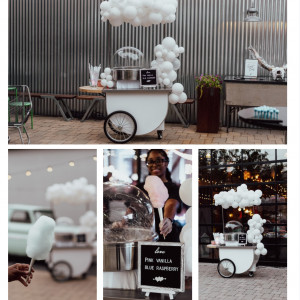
66 263
236 260
135 112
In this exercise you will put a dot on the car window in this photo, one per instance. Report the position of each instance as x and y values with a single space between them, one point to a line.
20 216
47 213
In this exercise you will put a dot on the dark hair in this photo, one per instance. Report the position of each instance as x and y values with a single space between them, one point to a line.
165 155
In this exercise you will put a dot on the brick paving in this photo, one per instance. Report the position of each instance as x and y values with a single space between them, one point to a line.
268 283
54 130
44 287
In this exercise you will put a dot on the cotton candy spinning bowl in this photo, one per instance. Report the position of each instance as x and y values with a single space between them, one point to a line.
128 218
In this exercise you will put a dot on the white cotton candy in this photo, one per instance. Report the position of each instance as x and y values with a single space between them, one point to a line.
40 238
157 191
89 219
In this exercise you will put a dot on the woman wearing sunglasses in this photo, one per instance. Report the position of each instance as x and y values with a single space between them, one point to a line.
157 162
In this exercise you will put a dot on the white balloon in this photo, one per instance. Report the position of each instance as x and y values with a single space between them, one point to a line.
181 50
264 251
257 252
158 48
169 43
136 21
188 215
260 246
185 192
177 88
130 12
164 75
103 82
158 54
258 192
109 78
182 97
173 99
172 75
115 13
186 237
166 81
102 75
110 84
171 56
105 6
155 18
154 64
166 66
176 64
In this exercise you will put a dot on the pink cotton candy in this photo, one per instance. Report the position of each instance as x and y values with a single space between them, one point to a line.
157 191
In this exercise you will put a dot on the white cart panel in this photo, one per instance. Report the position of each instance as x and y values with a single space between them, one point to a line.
149 108
242 257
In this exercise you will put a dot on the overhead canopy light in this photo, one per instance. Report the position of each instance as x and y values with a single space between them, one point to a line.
252 14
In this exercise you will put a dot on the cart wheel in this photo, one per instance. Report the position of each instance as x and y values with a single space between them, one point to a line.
120 127
61 271
251 274
226 268
159 134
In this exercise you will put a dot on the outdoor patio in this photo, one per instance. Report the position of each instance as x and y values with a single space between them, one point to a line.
267 283
54 130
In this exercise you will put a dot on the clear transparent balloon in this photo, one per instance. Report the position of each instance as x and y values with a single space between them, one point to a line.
233 226
127 214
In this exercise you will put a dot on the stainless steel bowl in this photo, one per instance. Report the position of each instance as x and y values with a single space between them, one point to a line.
126 73
231 237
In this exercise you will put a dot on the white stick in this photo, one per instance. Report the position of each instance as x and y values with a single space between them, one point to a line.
161 217
30 267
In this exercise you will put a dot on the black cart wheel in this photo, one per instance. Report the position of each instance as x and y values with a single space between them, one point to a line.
226 268
251 274
159 134
61 271
120 127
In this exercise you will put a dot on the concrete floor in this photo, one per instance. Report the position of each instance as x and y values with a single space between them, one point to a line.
268 283
54 130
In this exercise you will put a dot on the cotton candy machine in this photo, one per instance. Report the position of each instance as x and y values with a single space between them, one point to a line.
128 218
232 231
128 61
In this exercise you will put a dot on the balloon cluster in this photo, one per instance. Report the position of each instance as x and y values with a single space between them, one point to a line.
76 192
106 78
167 63
254 234
138 12
241 198
185 193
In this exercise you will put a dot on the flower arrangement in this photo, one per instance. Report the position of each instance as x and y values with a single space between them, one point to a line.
208 81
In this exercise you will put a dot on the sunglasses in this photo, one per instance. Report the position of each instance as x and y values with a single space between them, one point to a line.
157 162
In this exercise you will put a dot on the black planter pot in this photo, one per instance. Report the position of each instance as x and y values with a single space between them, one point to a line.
208 110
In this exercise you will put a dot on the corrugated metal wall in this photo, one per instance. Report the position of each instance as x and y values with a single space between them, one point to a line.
52 41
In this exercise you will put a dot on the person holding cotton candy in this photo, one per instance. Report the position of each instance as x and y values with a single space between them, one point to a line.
163 194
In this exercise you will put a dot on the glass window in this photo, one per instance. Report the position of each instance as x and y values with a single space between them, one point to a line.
281 154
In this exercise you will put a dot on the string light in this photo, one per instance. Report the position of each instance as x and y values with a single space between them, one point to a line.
95 158
71 164
28 173
9 177
49 169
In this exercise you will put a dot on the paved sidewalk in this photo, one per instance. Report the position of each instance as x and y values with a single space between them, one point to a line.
43 287
267 284
54 130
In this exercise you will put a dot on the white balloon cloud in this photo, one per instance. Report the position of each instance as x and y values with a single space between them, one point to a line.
185 237
254 234
241 198
138 12
76 192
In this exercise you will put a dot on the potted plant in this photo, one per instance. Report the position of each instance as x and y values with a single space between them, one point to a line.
208 105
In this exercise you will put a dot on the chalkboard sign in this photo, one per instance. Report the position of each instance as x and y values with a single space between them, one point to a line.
161 267
243 238
148 78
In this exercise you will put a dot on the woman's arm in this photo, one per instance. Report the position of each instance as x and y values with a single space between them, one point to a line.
170 209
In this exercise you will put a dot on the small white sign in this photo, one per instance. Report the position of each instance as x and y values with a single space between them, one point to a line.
251 68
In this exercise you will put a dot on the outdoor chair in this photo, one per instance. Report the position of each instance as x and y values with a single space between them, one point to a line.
19 109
